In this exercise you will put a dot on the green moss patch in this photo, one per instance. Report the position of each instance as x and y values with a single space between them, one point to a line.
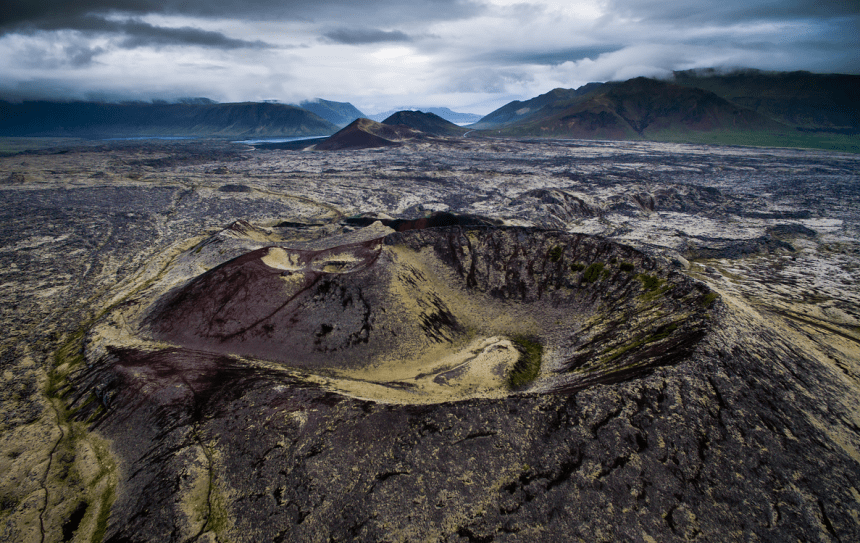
555 253
592 273
709 298
662 333
650 282
527 367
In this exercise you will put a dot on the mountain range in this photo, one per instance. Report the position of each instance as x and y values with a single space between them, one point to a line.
519 110
749 107
94 119
746 107
636 109
817 102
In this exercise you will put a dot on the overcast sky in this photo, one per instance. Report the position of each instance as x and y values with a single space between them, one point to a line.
470 55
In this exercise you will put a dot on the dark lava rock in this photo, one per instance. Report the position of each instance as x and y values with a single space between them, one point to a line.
738 249
792 230
234 188
433 220
654 418
558 203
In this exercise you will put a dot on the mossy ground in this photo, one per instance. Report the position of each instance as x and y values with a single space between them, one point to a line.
592 272
80 491
662 333
527 367
709 298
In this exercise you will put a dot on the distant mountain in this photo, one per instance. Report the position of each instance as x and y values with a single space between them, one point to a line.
748 107
199 100
338 113
94 119
367 134
640 108
825 102
517 110
453 116
444 112
428 123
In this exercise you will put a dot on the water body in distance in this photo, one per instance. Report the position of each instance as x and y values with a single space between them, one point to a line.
280 140
137 138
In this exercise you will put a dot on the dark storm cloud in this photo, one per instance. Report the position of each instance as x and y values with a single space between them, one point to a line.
139 34
336 48
53 15
360 36
549 58
772 34
732 11
81 55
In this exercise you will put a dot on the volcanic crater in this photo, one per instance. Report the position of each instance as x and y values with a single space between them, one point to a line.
428 315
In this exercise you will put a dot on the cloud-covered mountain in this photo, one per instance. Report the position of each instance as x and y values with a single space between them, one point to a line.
640 108
752 108
94 119
338 113
825 102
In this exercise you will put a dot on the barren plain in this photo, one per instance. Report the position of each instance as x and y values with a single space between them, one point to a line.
450 340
